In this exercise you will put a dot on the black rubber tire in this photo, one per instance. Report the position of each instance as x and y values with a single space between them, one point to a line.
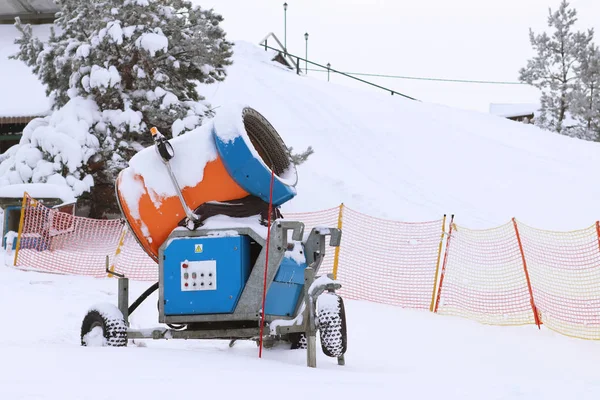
332 326
298 340
113 328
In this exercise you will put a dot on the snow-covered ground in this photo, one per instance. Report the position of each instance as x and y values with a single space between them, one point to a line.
381 155
392 353
396 158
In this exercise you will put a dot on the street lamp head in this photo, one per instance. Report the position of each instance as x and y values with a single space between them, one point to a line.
306 36
285 6
328 65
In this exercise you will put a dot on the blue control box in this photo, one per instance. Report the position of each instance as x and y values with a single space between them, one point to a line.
286 288
205 275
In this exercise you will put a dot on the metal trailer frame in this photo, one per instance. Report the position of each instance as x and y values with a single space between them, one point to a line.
248 307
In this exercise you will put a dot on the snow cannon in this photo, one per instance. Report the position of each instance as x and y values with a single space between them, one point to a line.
229 161
205 206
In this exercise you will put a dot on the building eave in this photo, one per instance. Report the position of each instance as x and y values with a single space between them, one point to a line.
18 120
39 18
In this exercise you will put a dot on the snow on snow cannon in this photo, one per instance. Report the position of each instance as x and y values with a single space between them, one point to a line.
200 206
226 160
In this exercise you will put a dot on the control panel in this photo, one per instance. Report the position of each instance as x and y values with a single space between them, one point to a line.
198 275
204 275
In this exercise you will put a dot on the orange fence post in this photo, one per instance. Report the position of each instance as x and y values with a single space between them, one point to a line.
533 307
119 249
336 258
21 221
437 266
437 303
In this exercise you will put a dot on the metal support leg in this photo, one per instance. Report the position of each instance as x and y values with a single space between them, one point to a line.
311 334
124 298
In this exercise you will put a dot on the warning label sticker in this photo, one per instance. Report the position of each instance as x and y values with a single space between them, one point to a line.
198 248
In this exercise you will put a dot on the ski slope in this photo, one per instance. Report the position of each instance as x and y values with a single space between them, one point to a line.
381 155
392 353
396 158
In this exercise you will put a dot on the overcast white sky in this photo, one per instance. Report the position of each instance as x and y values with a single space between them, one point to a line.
456 39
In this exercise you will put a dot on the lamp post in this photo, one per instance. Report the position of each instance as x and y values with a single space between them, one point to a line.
328 68
285 27
306 55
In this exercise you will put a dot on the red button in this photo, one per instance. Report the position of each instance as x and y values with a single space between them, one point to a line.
184 265
186 284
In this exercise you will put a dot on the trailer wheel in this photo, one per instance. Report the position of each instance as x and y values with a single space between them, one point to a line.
104 326
298 340
332 324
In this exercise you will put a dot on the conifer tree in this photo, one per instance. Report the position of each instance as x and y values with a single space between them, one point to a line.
553 69
138 63
586 98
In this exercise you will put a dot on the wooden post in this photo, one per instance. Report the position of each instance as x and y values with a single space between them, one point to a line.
336 257
437 266
437 303
118 251
21 221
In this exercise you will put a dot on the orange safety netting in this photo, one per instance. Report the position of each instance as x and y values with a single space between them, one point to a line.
564 268
132 261
380 260
388 262
399 270
484 277
510 275
59 242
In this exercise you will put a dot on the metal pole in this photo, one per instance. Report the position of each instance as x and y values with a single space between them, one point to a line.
328 70
285 27
306 54
123 298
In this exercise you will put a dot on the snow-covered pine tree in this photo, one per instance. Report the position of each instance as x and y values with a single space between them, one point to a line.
113 69
299 158
586 99
553 69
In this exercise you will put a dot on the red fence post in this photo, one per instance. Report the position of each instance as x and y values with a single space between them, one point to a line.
598 232
437 302
533 307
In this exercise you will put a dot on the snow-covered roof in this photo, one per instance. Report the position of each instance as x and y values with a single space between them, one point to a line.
21 93
37 191
27 9
513 110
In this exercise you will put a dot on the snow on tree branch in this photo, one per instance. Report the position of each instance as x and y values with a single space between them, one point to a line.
136 64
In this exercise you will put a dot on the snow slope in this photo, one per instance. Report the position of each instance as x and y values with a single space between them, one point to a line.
392 353
396 158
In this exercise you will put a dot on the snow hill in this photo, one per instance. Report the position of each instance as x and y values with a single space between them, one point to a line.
381 155
400 159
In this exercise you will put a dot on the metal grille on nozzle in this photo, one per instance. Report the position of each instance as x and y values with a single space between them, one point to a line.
266 141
